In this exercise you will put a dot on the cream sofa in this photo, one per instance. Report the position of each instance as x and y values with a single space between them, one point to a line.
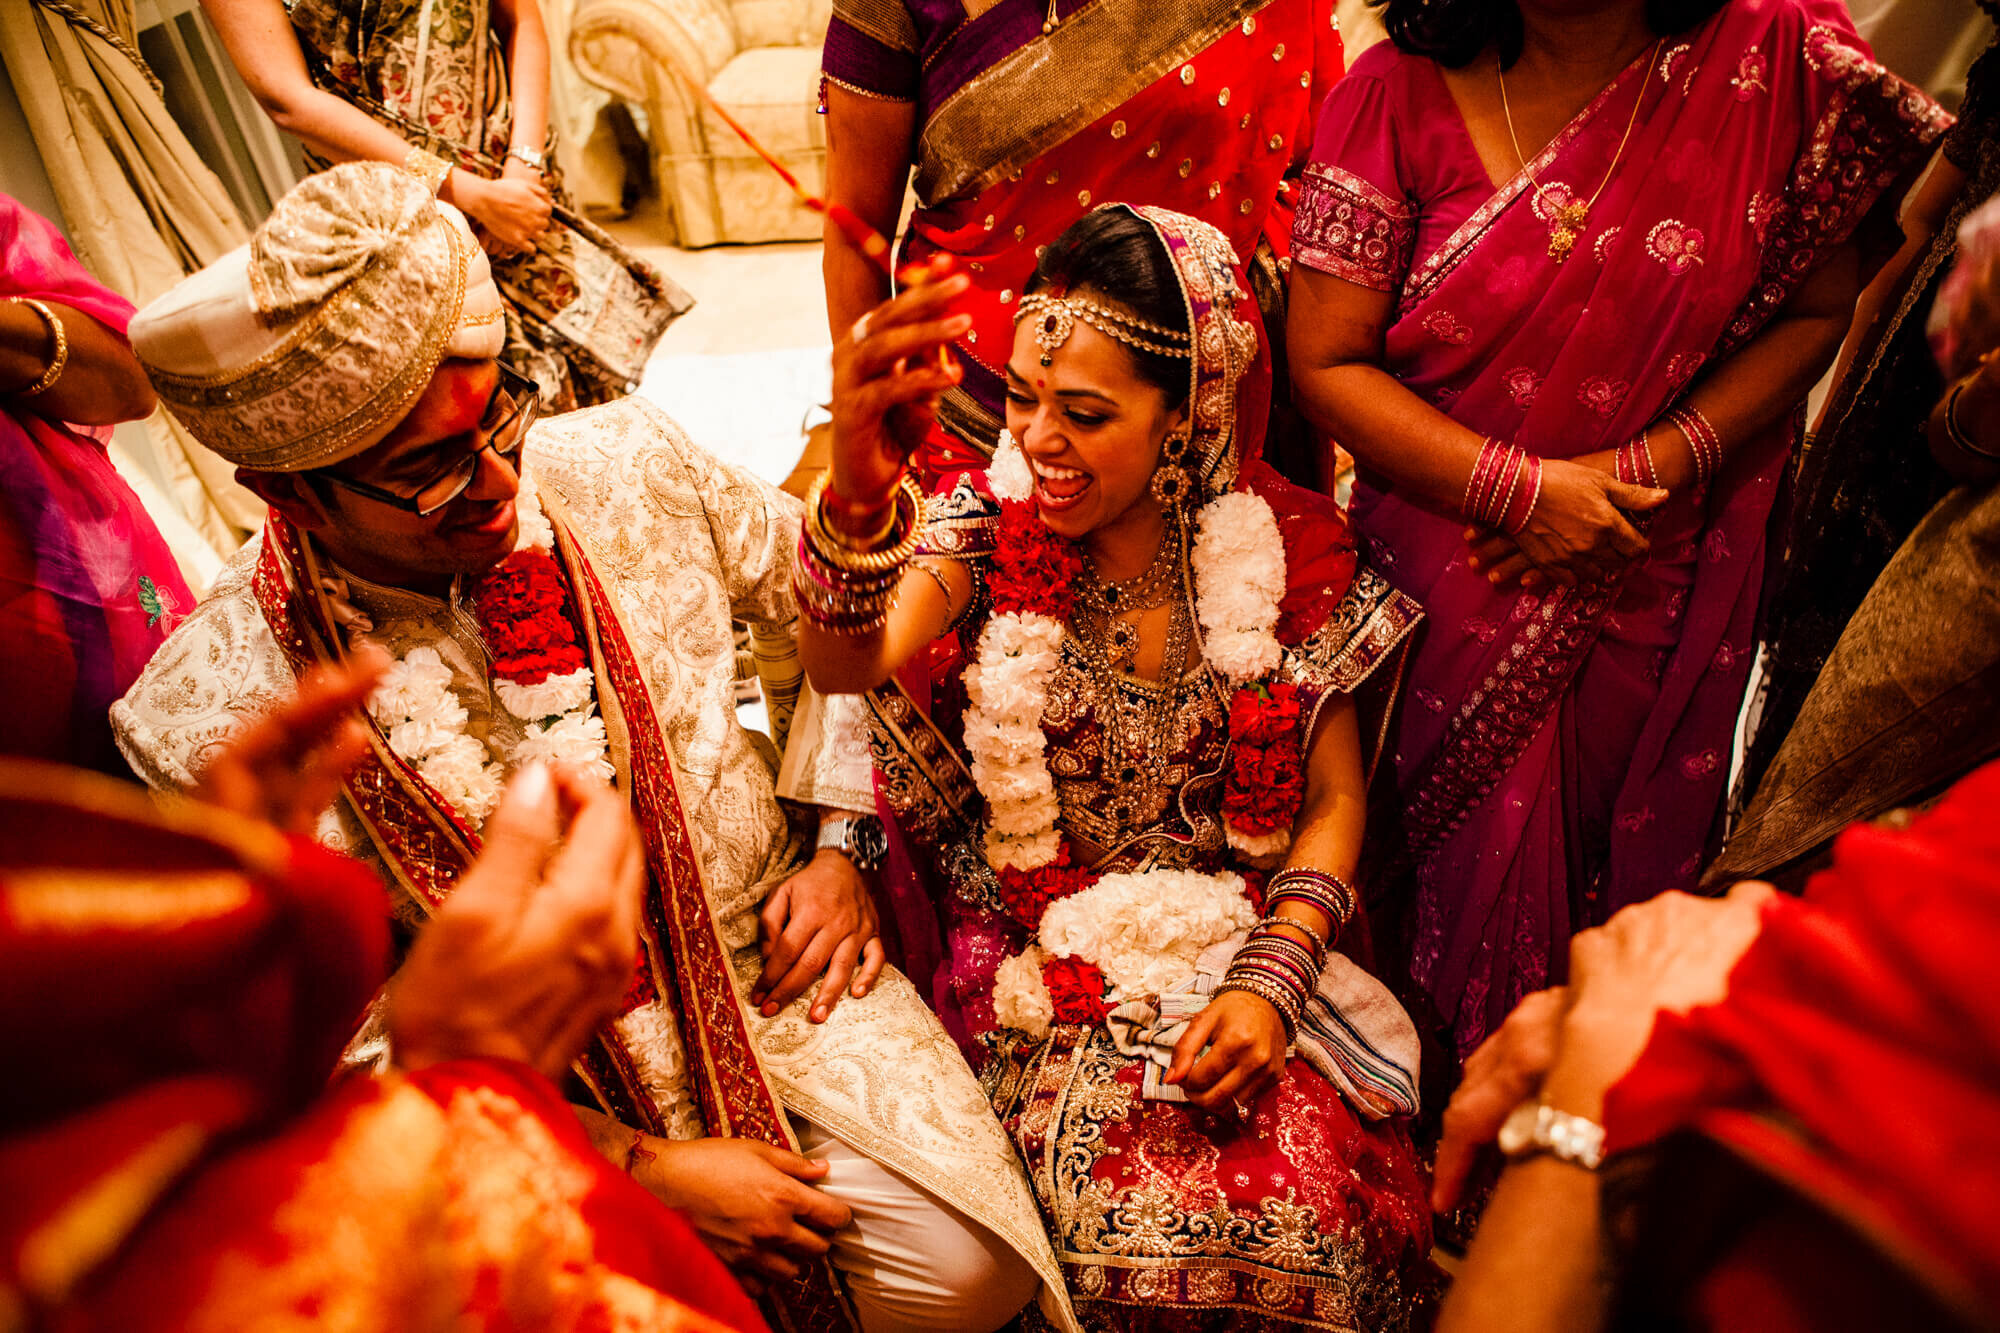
760 59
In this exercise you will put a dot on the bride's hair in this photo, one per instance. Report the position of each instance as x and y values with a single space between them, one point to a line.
1116 255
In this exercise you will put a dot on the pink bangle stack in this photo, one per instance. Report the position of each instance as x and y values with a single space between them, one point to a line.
1506 482
1702 439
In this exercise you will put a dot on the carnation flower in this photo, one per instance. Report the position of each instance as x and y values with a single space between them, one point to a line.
1007 851
1008 476
1020 997
1145 930
1239 568
554 695
575 740
1026 891
1076 990
536 533
459 771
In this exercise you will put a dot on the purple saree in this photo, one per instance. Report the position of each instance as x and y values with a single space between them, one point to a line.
1561 755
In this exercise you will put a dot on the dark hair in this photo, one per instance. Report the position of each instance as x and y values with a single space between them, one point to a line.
1116 254
1454 32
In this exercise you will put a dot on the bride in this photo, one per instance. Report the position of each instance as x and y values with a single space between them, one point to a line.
1114 681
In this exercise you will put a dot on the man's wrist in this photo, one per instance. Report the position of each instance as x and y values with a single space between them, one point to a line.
1592 1056
859 837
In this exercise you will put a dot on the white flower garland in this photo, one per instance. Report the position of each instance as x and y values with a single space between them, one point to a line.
1239 571
1144 932
425 723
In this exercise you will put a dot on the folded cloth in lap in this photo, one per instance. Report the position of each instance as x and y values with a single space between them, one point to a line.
1353 1032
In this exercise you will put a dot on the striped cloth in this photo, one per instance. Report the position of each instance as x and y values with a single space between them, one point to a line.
1353 1032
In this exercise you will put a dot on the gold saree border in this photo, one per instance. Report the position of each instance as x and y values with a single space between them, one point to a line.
1010 114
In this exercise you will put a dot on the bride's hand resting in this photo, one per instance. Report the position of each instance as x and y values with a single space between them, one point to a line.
887 378
1576 533
1245 1038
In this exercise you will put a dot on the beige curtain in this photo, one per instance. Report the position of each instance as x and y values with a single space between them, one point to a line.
142 210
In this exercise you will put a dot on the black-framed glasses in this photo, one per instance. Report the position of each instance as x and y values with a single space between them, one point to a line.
516 402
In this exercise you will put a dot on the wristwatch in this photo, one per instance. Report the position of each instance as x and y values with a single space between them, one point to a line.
1534 1128
534 157
859 838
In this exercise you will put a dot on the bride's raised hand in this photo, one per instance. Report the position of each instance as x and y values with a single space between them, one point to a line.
887 377
1244 1038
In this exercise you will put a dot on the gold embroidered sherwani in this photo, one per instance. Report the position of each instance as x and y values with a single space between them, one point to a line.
684 543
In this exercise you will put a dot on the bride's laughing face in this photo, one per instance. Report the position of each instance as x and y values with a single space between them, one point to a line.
1091 428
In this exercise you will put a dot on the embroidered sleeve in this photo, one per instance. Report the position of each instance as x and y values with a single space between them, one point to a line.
1363 632
1350 229
1355 220
871 49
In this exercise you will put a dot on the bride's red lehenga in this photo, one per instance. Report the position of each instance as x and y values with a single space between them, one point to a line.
1306 1213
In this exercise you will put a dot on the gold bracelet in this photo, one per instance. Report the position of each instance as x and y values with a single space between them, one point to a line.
1952 430
58 359
427 167
842 555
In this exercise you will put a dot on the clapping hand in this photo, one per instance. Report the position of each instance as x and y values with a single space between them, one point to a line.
533 950
1569 1045
286 767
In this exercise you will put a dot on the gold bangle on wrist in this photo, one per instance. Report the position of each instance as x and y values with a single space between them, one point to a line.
843 554
1955 432
58 357
427 167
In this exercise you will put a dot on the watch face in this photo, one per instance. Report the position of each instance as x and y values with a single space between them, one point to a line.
867 843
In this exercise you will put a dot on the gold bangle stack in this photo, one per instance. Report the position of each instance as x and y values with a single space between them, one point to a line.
58 357
844 586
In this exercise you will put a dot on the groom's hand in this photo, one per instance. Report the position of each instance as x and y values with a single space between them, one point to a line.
821 920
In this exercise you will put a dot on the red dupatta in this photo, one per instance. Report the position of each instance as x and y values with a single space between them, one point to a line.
1856 1055
180 982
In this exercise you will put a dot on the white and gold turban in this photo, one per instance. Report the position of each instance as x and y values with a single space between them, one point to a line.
310 343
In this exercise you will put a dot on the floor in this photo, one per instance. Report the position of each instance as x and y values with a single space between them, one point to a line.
745 371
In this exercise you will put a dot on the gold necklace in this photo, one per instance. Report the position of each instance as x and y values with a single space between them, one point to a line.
1566 220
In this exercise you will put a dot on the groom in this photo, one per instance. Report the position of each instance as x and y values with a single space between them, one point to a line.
564 591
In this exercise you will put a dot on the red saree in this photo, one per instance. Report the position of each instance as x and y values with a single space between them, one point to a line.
1563 754
1856 1056
1200 106
177 986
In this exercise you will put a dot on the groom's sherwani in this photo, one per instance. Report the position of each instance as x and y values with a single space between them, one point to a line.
664 546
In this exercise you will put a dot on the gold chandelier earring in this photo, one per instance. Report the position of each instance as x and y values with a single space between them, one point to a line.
1171 483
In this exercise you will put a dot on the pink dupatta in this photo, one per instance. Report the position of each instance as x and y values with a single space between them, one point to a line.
1561 755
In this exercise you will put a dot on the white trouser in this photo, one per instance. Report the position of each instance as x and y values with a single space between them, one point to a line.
911 1261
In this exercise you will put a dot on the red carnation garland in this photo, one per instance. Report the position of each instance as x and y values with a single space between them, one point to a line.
1265 785
523 613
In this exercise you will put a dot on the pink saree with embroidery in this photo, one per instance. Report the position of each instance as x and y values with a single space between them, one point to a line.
1558 756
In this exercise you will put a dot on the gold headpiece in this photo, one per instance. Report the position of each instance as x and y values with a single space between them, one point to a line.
1059 315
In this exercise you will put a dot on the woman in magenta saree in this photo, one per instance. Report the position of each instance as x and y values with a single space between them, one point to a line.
88 588
1565 733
